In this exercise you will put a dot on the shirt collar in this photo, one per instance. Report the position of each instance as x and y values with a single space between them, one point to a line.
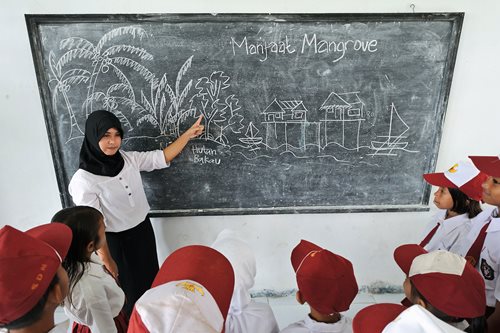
454 222
316 326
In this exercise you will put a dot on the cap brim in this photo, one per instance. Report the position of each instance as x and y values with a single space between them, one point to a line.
374 318
404 255
57 235
490 165
438 179
300 251
204 265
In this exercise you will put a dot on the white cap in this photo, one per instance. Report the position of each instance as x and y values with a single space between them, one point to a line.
181 307
416 319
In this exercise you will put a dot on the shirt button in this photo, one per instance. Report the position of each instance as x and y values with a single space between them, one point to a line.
130 194
120 178
126 186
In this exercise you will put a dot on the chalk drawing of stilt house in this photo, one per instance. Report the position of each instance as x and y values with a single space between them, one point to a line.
342 118
282 117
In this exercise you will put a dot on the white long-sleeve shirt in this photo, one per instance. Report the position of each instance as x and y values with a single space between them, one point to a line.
96 299
121 199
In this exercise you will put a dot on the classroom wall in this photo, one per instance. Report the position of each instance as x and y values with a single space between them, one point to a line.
29 192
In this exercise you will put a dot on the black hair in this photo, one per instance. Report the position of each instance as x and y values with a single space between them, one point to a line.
462 204
84 222
36 312
476 325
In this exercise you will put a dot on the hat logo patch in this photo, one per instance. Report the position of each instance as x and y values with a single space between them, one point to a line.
453 169
191 287
487 270
38 277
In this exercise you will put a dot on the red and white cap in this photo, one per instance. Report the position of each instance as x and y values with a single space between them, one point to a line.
490 165
395 318
326 280
463 176
28 263
191 293
444 279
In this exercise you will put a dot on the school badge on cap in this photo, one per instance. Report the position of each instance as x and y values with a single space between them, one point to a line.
463 176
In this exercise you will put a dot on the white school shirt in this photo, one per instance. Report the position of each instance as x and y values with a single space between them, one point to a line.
450 234
121 199
477 224
96 299
489 262
309 325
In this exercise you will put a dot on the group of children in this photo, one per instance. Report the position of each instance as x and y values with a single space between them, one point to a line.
451 281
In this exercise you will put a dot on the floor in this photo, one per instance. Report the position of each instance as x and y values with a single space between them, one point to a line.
287 310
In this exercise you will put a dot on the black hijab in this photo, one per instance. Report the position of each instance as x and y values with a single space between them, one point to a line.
92 159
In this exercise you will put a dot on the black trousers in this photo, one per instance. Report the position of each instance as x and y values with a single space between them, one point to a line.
134 251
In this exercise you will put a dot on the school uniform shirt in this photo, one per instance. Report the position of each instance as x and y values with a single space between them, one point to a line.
309 325
450 233
477 224
121 199
489 262
96 299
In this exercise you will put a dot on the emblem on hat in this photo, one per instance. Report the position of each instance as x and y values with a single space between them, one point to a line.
453 169
487 270
189 286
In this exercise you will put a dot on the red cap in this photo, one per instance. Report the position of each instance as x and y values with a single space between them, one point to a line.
490 165
463 176
374 318
445 279
204 265
326 280
28 263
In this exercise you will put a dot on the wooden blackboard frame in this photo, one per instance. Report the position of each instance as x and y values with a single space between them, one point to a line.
35 21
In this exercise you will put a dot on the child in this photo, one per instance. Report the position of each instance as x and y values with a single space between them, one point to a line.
190 294
489 258
394 318
445 284
458 200
245 316
109 180
95 299
32 281
326 282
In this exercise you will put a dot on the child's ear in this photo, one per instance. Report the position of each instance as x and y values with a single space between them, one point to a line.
299 297
420 302
91 247
56 295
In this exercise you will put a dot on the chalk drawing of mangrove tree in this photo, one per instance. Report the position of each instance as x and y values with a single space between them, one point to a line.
218 107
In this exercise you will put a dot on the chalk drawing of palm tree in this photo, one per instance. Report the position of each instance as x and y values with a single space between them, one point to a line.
105 58
61 83
165 114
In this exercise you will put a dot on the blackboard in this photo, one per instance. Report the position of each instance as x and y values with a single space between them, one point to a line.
303 113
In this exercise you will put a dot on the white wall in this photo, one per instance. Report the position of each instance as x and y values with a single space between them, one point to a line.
28 188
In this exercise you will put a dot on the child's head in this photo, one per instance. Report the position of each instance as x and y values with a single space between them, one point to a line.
191 293
459 188
87 225
325 280
490 165
32 280
242 258
442 282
